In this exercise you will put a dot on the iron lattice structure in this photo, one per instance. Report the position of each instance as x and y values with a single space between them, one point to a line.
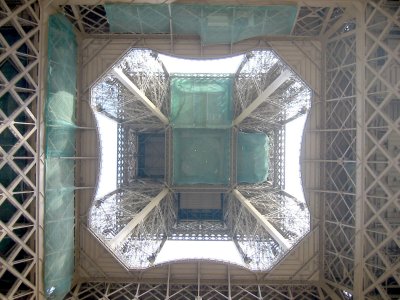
359 127
98 290
261 241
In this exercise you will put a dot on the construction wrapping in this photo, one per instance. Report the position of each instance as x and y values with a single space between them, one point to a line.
215 24
252 157
60 128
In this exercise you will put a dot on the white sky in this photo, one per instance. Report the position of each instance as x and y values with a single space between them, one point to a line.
108 143
215 250
214 66
294 134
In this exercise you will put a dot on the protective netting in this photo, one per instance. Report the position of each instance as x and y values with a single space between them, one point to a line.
201 117
252 157
215 24
201 156
201 101
60 148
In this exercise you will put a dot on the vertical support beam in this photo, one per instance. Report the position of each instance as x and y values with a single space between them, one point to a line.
322 121
78 143
263 221
198 282
360 152
140 95
140 217
168 281
262 97
40 155
229 283
78 17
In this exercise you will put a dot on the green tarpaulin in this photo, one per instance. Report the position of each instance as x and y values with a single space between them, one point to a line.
59 220
252 157
215 24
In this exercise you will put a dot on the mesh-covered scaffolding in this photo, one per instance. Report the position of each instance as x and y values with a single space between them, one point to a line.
60 122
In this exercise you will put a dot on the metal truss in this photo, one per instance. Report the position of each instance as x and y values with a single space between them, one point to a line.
360 162
289 99
20 194
362 133
282 210
176 291
314 21
134 222
200 231
265 223
136 83
128 154
259 250
134 92
340 153
87 18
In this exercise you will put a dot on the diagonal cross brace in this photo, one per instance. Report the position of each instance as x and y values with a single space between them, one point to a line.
140 95
284 243
262 97
140 217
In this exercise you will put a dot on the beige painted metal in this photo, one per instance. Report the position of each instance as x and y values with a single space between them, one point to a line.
360 160
140 217
262 220
19 190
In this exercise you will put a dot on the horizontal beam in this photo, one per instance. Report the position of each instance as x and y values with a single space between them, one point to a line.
262 97
140 217
284 243
312 3
140 95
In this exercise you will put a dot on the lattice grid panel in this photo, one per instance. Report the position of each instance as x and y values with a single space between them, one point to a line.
19 69
340 153
381 231
102 290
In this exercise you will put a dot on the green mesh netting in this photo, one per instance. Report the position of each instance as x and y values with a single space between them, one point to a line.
252 157
201 102
201 118
60 144
215 24
201 156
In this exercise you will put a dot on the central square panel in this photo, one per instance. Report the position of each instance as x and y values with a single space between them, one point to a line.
201 156
201 101
201 118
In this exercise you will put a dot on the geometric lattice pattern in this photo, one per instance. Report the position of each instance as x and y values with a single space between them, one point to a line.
362 213
380 232
19 193
359 161
100 290
341 150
